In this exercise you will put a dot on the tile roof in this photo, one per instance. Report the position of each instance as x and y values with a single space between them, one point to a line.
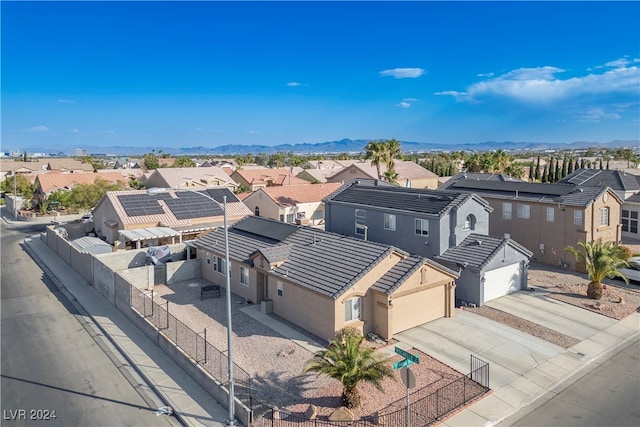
319 175
59 164
375 193
397 275
51 181
292 195
327 263
614 179
405 170
528 191
477 250
235 210
282 176
179 177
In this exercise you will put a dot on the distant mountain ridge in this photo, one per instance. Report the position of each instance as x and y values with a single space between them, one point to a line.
355 146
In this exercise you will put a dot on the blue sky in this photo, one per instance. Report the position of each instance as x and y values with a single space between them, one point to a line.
183 74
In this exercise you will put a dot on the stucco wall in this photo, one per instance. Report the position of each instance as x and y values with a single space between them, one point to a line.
82 263
183 270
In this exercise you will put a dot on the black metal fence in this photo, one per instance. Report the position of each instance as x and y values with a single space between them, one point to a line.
193 343
423 412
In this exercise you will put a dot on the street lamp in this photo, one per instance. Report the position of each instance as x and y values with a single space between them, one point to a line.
151 191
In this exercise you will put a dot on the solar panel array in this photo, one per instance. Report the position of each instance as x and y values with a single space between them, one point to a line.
189 205
140 204
583 176
218 193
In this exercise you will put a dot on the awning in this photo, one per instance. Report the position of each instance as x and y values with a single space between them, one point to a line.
148 233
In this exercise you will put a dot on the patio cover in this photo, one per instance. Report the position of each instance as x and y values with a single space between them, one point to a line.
148 233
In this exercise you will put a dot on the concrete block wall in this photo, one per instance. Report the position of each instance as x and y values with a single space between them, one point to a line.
82 263
183 270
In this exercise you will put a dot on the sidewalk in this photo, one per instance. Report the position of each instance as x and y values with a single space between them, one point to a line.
525 371
192 405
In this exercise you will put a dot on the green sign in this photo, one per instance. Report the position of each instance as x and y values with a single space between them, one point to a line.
407 355
402 364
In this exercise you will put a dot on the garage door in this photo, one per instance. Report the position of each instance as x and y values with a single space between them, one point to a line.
502 281
418 308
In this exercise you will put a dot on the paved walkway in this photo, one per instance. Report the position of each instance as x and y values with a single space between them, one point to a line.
523 369
192 405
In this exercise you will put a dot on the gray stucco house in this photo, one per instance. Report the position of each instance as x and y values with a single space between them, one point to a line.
432 224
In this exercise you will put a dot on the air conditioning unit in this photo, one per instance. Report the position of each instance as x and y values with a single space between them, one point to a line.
302 221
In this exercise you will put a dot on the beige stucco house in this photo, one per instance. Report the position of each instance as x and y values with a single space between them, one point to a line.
410 174
196 178
300 204
266 177
545 218
325 281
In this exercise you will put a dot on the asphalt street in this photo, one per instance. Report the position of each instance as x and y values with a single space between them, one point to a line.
56 369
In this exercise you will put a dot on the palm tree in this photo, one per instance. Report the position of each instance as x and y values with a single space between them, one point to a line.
377 152
391 176
346 362
601 260
472 164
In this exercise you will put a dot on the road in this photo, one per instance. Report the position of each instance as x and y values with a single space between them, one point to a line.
53 362
606 396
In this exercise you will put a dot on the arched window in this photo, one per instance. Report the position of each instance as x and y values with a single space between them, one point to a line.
257 211
470 222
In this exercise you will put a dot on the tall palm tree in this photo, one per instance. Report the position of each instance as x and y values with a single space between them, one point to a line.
394 151
377 152
346 362
601 260
472 164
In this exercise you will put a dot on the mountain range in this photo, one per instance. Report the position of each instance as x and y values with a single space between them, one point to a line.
357 145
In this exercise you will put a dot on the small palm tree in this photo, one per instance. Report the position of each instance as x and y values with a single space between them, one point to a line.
601 260
346 362
377 152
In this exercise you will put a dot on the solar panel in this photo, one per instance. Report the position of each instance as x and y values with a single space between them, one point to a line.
583 176
139 205
189 205
218 193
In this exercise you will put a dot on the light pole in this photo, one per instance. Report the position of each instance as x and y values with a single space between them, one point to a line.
232 419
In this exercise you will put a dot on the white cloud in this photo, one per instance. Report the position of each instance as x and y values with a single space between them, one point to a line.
106 132
40 128
542 84
75 131
294 84
403 73
65 101
595 115
254 132
485 75
411 99
403 104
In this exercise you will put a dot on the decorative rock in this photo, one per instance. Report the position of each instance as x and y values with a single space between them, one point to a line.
311 413
342 414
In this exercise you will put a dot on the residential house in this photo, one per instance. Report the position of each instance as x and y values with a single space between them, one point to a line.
429 223
625 185
545 218
410 174
323 281
138 219
315 176
32 167
300 204
195 177
49 182
265 177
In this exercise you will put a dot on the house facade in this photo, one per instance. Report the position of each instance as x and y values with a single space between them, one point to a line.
325 281
420 221
195 177
546 218
410 174
300 204
265 177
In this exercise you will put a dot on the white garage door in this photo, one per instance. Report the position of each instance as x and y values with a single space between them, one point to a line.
502 281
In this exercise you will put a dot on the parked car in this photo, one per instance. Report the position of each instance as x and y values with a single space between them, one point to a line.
86 218
633 271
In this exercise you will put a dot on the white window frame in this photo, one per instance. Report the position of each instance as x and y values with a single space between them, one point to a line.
524 211
604 217
279 288
244 276
577 217
551 212
507 210
208 258
361 228
390 222
630 221
353 309
361 213
422 227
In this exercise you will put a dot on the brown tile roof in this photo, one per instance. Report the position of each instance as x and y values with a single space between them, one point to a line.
405 170
51 181
282 176
291 195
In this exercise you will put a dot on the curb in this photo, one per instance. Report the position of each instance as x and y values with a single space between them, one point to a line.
93 323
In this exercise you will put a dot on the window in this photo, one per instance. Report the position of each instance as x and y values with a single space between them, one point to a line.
550 214
577 217
390 222
469 223
244 276
361 228
506 211
361 213
524 211
279 287
281 217
604 217
422 227
352 309
208 258
290 218
630 221
219 264
257 211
